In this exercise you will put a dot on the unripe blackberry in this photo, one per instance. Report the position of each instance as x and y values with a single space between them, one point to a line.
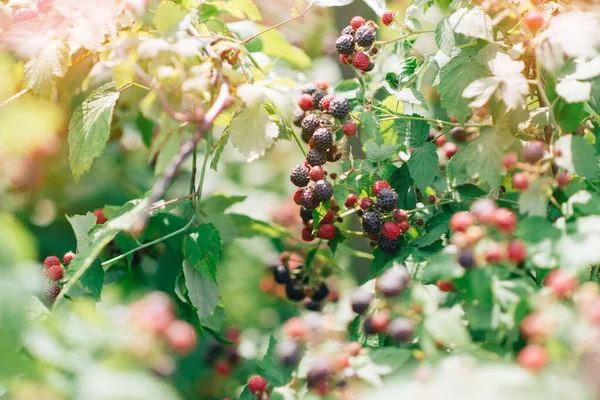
299 175
351 200
323 190
392 282
348 31
55 272
349 128
51 291
318 375
339 107
316 157
294 291
310 124
317 173
317 97
281 274
305 102
321 293
388 17
533 152
344 44
401 330
377 186
321 84
307 235
305 214
391 230
563 178
387 199
68 257
325 101
357 21
364 36
361 60
365 203
288 352
400 216
360 301
257 384
387 245
371 222
327 231
322 139
376 323
51 261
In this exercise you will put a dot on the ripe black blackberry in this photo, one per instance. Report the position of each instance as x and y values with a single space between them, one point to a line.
310 124
308 199
316 157
309 88
360 301
466 259
323 190
299 175
364 36
312 305
298 118
387 245
322 139
281 273
371 222
305 214
317 97
344 44
349 30
387 199
294 290
339 107
306 136
370 67
321 293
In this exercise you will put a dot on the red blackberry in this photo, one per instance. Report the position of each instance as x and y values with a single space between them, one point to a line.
364 36
563 178
387 200
344 44
316 157
305 102
298 197
322 139
328 217
51 261
361 60
365 203
400 216
339 107
348 31
325 101
388 17
351 200
100 217
387 245
317 97
391 230
299 175
308 199
317 173
257 384
310 124
55 272
51 291
377 186
357 22
323 190
307 235
344 59
349 128
371 222
327 231
68 257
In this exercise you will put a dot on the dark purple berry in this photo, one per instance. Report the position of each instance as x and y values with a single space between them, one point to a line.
393 282
323 190
387 200
321 293
306 214
312 305
344 44
401 330
318 374
308 199
360 301
51 291
299 175
294 291
459 134
370 67
322 139
465 258
348 31
281 273
533 152
316 157
288 352
339 107
364 36
310 124
371 222
317 97
387 245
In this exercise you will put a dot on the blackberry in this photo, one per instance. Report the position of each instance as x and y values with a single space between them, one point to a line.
294 291
51 291
321 293
466 259
369 67
309 88
387 245
365 36
318 374
214 350
344 44
312 305
299 175
371 222
322 139
310 124
288 352
348 31
459 134
298 118
360 301
339 107
308 199
368 326
401 330
323 190
387 199
281 273
316 157
317 97
393 282
306 136
306 214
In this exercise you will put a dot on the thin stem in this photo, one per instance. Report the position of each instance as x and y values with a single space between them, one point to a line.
297 140
173 201
15 96
417 118
278 25
356 233
544 99
355 253
402 37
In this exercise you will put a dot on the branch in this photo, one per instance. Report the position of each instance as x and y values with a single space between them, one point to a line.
15 97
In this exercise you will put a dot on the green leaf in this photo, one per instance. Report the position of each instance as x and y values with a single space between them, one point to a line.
276 45
380 152
392 357
340 194
89 129
219 150
272 370
319 212
369 127
240 9
202 250
82 225
218 203
225 225
250 227
202 290
447 328
436 227
404 186
167 151
167 15
41 71
455 76
472 22
444 36
93 279
423 165
412 133
442 266
247 394
577 156
534 200
382 261
537 229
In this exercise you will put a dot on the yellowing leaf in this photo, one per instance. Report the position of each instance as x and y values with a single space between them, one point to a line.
240 9
253 131
168 14
276 45
41 71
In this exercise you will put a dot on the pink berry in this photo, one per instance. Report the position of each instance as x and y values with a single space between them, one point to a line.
563 178
349 128
327 231
307 235
321 84
100 217
361 60
365 203
51 261
317 173
445 286
517 251
377 186
351 200
257 384
357 22
24 14
388 17
510 160
68 257
562 283
328 217
391 230
55 272
400 216
505 220
325 101
532 357
181 337
534 20
305 102
404 226
461 220
520 181
494 252
450 149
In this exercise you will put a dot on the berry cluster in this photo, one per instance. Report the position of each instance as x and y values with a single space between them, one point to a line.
224 357
381 220
54 271
356 43
484 235
391 285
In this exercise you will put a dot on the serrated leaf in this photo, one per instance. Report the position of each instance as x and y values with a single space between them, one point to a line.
89 129
442 266
577 156
93 279
369 127
40 72
444 36
218 203
392 357
167 15
225 225
379 152
403 184
272 370
472 22
423 165
202 289
247 394
436 227
319 212
411 96
253 131
412 132
340 194
455 76
82 225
